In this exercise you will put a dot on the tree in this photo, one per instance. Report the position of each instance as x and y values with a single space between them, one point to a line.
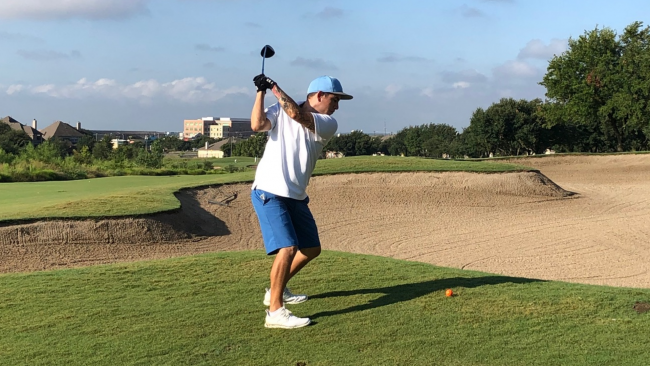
87 141
201 141
103 148
509 127
253 146
353 144
173 143
12 141
152 158
439 139
603 80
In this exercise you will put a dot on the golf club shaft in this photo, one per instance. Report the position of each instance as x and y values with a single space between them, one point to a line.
263 59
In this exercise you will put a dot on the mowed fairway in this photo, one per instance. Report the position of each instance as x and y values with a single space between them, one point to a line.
207 310
101 197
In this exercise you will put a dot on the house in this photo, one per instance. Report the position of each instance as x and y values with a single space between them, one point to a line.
214 150
34 134
63 131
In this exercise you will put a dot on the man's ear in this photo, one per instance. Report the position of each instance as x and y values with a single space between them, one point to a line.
320 95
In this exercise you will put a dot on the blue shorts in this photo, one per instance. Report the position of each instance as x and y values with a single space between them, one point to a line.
285 222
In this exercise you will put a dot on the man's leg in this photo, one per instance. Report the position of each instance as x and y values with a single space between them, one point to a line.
307 234
302 257
280 274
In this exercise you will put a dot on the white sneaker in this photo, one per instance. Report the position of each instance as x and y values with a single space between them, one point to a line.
287 298
284 319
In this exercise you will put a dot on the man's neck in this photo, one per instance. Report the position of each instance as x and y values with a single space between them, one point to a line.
307 107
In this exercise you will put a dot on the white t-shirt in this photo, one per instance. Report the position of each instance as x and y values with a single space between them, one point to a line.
291 153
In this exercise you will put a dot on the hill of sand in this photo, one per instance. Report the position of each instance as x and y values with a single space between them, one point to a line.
582 219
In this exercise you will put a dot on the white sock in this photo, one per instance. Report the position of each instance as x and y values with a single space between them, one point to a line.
274 313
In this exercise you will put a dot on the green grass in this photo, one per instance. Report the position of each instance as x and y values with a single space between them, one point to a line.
207 310
366 164
540 156
138 195
237 161
101 197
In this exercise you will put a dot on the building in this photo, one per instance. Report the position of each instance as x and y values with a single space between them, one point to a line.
122 134
118 142
217 127
195 127
219 131
34 134
63 131
239 127
214 150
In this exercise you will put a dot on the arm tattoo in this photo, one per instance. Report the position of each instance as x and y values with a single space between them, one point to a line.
293 110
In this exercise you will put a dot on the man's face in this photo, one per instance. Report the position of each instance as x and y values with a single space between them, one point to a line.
328 103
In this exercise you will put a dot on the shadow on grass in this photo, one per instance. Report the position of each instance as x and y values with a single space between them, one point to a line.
410 291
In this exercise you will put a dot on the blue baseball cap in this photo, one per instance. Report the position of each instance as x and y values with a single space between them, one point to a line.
328 84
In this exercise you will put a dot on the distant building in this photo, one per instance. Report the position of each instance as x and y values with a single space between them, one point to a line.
194 127
219 131
217 127
118 142
34 134
124 134
239 127
63 131
214 150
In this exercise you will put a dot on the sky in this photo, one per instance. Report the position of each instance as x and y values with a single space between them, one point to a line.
150 64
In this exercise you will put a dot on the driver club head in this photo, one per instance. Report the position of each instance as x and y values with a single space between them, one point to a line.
267 52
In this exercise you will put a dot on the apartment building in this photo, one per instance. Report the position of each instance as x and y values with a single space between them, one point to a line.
193 127
219 131
217 128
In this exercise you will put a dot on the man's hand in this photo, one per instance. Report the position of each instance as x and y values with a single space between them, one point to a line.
263 82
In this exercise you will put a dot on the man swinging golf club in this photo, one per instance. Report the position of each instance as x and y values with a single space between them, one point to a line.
297 134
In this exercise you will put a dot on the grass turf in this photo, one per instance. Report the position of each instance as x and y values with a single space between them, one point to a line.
138 195
366 310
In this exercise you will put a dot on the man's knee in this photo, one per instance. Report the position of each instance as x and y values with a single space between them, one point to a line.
287 252
311 253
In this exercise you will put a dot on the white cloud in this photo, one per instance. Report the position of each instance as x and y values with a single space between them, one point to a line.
188 90
538 50
462 85
468 75
427 92
516 69
392 89
16 88
43 88
66 9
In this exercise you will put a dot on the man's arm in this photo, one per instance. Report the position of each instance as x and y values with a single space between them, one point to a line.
259 122
293 110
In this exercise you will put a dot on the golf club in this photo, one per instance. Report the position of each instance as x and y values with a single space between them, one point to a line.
267 52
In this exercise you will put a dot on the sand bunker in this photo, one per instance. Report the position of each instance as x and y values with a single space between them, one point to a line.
516 224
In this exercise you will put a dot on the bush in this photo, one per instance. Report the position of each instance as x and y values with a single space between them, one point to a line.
196 172
36 176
